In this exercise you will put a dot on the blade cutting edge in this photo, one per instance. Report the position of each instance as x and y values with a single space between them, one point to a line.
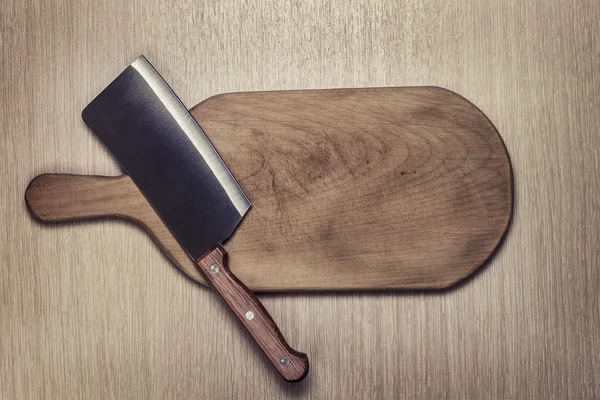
193 132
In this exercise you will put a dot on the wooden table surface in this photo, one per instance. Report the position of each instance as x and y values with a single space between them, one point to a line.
96 311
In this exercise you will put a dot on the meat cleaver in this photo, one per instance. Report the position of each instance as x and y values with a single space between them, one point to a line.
169 158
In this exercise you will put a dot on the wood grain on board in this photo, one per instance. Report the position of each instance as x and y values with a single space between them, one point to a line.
387 188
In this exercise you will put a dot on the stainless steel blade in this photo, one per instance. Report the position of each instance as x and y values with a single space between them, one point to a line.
165 152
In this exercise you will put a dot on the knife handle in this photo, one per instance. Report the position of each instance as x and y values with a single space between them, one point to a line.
291 364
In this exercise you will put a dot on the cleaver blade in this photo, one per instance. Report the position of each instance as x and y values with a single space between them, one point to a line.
167 155
165 152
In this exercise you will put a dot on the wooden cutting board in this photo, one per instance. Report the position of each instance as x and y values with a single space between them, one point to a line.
352 189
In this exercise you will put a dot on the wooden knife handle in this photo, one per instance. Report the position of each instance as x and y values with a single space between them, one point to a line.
291 364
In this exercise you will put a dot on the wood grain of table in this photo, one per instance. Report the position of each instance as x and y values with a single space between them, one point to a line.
94 310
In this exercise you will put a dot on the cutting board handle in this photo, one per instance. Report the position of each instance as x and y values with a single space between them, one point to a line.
64 197
291 364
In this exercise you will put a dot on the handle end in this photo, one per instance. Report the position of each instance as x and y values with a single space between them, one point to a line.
34 196
300 368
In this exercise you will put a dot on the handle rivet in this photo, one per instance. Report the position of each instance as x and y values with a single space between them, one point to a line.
214 268
285 361
249 315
